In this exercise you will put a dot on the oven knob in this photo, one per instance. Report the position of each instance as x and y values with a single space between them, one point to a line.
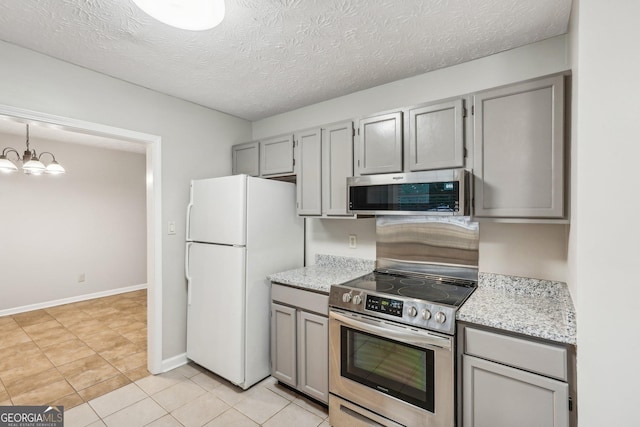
426 314
357 300
440 317
411 311
346 297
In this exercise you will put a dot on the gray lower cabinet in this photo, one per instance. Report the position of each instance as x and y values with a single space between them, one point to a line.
380 144
246 159
436 136
300 340
511 381
519 160
276 156
500 396
309 172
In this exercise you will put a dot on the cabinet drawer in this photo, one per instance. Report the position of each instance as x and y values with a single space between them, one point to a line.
305 300
545 359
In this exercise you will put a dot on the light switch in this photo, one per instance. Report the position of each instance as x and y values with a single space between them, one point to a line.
172 227
353 241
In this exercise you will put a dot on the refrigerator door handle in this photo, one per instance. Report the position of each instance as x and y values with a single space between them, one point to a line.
189 206
186 271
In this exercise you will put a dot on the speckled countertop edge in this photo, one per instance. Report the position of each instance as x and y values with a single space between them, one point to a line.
328 270
538 308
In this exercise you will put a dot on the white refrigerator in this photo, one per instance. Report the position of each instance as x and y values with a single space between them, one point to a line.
239 230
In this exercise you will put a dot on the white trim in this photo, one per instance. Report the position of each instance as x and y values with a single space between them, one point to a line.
154 212
174 362
77 298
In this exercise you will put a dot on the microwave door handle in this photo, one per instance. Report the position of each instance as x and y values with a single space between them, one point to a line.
415 338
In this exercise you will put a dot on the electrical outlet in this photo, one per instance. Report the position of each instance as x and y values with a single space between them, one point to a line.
353 241
81 278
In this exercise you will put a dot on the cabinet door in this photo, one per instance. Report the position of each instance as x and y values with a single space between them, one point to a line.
337 166
283 344
313 355
246 159
380 147
309 172
519 150
436 136
495 395
276 156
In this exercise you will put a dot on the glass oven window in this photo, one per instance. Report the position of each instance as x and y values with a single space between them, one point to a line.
397 369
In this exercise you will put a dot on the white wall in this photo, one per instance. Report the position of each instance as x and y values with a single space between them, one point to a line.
91 220
196 143
608 149
528 250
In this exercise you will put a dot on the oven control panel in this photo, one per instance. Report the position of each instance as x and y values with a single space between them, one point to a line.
384 305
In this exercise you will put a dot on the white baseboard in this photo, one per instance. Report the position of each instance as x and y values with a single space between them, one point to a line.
174 362
70 300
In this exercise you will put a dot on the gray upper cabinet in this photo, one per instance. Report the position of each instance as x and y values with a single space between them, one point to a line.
495 395
436 136
246 159
276 156
380 145
519 150
337 166
309 171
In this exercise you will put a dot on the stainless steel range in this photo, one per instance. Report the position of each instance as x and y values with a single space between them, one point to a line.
391 332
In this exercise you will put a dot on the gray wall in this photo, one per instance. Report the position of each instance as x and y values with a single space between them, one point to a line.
91 220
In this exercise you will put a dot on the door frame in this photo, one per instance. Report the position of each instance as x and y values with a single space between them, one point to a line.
154 211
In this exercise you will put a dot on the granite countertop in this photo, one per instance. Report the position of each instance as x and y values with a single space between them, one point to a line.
538 308
328 270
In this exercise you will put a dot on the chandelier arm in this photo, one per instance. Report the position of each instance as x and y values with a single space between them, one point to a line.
53 158
8 150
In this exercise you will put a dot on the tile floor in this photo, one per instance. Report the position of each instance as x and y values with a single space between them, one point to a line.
190 396
71 354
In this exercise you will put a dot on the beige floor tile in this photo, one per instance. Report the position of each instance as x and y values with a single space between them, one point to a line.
32 317
26 383
86 329
51 336
207 381
67 351
233 418
228 393
98 423
80 416
166 421
121 347
138 337
120 321
177 395
69 401
188 370
101 340
104 387
155 383
117 400
4 394
325 423
8 324
87 371
40 329
30 364
312 407
129 362
13 337
293 415
103 311
5 403
138 373
9 354
70 318
260 404
280 390
200 411
43 395
137 415
130 327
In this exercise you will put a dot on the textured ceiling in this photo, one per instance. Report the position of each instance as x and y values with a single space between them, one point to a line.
272 56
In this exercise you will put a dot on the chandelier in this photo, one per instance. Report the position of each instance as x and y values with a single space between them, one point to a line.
31 164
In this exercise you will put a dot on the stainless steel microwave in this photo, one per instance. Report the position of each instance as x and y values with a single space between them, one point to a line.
438 192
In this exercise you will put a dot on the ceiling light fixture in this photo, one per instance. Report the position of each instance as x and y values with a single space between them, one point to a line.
194 15
31 164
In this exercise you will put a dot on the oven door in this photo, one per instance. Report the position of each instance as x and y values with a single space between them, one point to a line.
399 372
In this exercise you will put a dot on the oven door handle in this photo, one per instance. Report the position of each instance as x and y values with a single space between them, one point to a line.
420 339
